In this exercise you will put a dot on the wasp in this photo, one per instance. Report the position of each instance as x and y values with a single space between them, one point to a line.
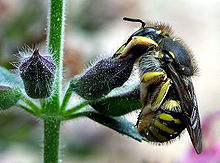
166 67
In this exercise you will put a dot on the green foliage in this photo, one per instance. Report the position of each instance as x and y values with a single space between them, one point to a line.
8 97
9 91
9 79
119 124
120 104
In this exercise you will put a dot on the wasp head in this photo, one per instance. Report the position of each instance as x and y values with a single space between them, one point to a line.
175 51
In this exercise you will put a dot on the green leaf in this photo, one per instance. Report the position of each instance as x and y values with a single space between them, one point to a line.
10 91
8 97
119 103
9 79
119 124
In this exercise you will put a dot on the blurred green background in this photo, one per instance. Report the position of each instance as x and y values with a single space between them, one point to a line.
94 28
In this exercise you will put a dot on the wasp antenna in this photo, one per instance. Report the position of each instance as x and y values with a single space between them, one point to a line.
135 20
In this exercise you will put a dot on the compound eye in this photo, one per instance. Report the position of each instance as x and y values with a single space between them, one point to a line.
149 31
167 58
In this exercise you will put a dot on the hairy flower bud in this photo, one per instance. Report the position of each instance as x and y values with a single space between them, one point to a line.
38 73
105 75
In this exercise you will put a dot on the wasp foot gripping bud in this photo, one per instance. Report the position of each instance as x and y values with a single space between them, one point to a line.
8 96
38 73
105 75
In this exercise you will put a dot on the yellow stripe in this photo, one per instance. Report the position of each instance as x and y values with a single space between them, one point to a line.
148 136
168 117
156 134
120 49
136 40
143 40
171 104
171 53
162 93
148 76
163 127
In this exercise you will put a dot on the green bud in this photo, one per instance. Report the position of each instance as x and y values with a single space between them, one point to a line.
8 96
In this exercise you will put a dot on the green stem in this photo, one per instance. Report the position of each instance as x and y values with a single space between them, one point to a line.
55 47
51 140
76 108
26 100
26 109
66 98
72 85
75 115
51 106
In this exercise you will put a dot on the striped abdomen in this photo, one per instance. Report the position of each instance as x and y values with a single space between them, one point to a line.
162 125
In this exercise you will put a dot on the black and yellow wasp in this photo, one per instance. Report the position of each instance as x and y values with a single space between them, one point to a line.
167 93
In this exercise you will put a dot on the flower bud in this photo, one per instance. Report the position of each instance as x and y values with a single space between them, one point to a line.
38 73
105 75
8 96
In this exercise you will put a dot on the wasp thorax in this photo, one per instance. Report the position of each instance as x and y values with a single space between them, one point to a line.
149 63
177 52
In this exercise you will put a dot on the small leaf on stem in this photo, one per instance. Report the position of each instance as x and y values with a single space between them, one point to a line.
119 124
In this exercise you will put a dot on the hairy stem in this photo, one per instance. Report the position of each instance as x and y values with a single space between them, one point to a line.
51 140
75 115
30 103
55 47
76 108
51 106
27 109
66 98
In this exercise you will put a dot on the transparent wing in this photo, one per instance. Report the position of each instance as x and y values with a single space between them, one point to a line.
188 102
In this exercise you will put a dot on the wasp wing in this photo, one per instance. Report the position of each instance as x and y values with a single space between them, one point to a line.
194 127
188 102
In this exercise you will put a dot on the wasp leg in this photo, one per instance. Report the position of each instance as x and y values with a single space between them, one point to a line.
152 77
160 94
136 40
172 105
153 101
147 79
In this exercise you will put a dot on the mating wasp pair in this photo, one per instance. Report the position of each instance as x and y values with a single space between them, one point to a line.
167 93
